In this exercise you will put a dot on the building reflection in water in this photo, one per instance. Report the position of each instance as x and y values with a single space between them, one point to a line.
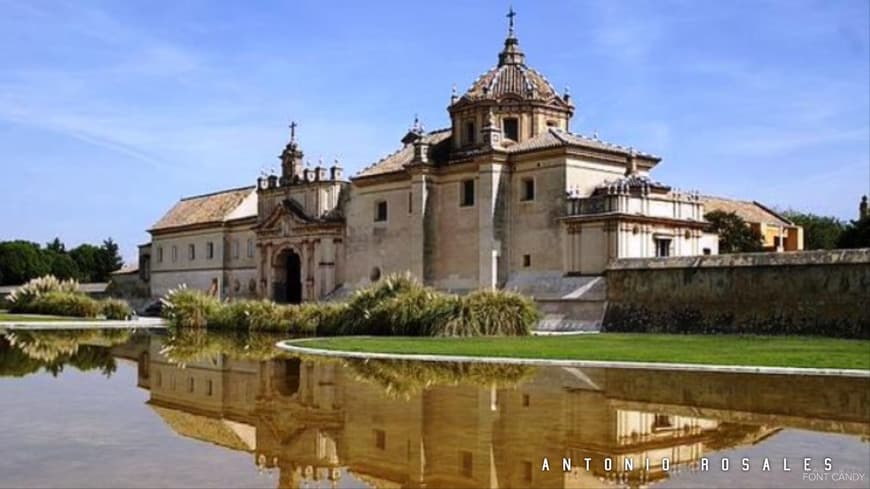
331 423
328 423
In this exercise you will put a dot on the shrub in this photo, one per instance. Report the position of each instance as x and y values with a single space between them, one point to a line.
397 305
265 315
65 304
497 313
21 298
116 309
358 319
417 311
188 308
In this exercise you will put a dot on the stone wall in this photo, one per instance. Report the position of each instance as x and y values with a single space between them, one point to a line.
823 293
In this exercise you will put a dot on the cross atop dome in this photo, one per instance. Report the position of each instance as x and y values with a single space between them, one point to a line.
511 54
510 15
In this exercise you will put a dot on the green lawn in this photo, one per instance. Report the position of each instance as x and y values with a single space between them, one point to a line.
33 318
715 350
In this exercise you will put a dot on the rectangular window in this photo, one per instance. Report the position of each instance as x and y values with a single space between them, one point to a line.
174 253
663 247
527 260
381 211
466 461
190 384
527 472
159 254
528 189
410 202
191 252
510 128
469 132
235 249
526 400
380 439
707 251
466 198
209 250
209 388
250 248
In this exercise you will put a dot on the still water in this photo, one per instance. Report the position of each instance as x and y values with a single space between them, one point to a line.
147 409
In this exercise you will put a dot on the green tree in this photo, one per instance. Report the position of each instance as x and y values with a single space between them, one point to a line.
87 259
820 232
856 234
20 261
61 265
735 235
56 245
108 260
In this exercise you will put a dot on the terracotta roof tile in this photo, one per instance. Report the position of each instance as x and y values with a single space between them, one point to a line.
397 160
555 137
201 209
752 212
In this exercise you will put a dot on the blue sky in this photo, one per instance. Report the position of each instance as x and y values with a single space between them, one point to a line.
111 111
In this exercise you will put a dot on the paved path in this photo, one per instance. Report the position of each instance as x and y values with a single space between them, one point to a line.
293 346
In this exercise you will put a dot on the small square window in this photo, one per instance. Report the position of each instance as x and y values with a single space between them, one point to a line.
466 193
380 439
381 211
663 247
209 250
528 189
707 251
191 252
466 461
527 260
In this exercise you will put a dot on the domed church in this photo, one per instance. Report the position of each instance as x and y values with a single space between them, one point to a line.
507 196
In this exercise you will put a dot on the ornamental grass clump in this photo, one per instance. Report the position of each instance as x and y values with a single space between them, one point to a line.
497 313
65 304
115 309
359 319
187 308
22 298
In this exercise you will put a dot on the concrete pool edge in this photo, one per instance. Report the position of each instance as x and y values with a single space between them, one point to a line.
293 347
84 324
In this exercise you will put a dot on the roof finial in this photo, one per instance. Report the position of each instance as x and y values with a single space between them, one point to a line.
293 131
417 127
510 15
453 95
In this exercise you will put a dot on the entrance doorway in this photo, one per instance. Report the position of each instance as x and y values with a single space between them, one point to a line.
288 283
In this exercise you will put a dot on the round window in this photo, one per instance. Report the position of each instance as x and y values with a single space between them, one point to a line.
375 275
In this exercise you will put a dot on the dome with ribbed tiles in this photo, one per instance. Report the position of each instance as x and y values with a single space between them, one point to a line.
511 77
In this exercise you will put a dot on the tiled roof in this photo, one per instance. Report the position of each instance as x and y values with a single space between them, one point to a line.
514 79
752 212
555 137
396 161
201 209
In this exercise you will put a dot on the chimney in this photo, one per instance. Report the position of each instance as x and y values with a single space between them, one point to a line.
335 171
421 151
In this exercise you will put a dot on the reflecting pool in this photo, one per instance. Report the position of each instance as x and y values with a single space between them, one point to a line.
151 409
